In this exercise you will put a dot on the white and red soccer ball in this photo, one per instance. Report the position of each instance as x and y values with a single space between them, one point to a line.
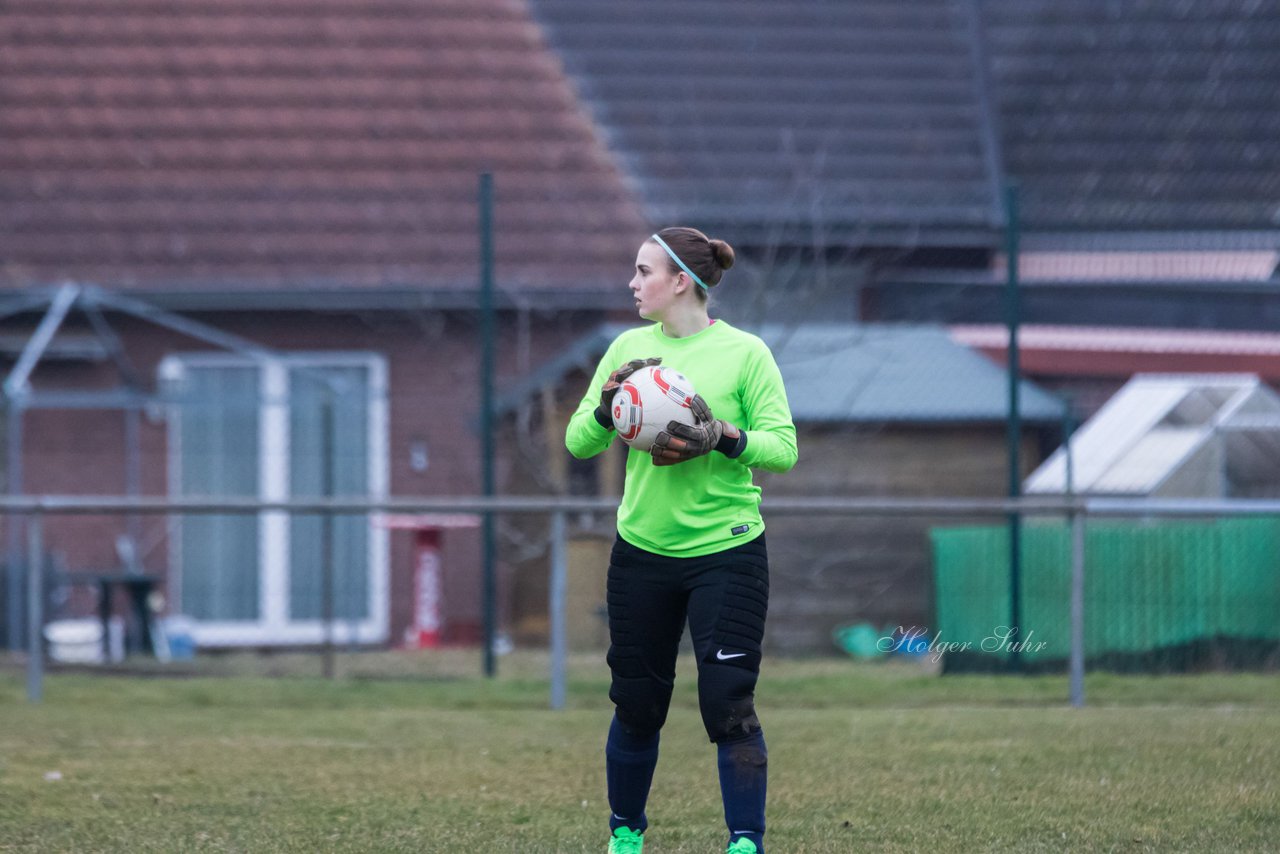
647 401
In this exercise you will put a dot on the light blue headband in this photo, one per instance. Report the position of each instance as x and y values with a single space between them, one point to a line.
683 266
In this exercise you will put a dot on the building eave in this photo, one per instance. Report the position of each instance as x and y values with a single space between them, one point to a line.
459 298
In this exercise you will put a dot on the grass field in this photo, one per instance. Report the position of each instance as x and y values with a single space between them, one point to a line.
418 754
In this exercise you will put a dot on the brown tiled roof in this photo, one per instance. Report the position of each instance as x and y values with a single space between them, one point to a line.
229 144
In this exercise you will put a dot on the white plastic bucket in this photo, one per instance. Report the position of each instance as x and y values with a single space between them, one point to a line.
75 641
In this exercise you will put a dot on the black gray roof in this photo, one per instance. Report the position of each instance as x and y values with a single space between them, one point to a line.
759 115
1140 114
889 122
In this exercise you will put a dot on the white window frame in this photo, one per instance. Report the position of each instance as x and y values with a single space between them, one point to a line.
273 626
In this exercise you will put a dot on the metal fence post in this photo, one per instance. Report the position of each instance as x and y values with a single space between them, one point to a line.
328 431
487 451
1075 522
1077 607
35 608
559 645
1013 312
13 477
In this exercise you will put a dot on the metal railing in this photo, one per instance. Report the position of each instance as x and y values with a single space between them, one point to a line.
1075 509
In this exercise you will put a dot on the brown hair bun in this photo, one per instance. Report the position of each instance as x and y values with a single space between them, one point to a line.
722 253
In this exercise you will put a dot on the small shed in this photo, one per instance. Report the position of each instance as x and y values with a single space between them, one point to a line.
1175 436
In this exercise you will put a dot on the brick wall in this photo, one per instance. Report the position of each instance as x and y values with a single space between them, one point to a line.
433 365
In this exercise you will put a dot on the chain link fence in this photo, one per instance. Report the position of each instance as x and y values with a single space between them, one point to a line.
1143 586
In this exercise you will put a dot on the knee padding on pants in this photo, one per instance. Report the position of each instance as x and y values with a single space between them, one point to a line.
726 697
641 704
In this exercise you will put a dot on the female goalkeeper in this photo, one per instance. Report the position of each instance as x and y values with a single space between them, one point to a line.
690 537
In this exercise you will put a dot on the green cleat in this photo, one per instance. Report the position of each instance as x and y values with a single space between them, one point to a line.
742 846
627 841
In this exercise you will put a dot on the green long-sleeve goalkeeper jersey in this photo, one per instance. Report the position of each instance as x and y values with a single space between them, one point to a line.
709 503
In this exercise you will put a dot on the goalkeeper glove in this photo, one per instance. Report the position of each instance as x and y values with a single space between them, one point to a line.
611 385
681 442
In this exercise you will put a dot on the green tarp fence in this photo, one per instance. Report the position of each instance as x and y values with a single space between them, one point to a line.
1167 594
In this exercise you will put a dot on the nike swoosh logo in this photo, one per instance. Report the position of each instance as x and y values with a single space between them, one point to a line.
722 657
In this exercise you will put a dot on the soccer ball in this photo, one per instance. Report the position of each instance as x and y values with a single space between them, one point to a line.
647 401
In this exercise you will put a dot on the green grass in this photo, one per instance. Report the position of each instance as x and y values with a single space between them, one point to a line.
415 753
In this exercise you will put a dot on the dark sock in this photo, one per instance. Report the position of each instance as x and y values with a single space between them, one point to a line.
744 771
629 763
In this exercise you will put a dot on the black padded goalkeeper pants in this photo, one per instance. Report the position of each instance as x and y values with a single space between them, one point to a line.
724 597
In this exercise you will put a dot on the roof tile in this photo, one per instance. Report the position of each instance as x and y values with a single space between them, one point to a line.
1140 114
297 142
748 115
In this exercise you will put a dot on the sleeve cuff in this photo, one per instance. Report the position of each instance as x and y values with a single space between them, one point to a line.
731 447
602 418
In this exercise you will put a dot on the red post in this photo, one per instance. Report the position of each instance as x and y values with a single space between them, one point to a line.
424 631
426 626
